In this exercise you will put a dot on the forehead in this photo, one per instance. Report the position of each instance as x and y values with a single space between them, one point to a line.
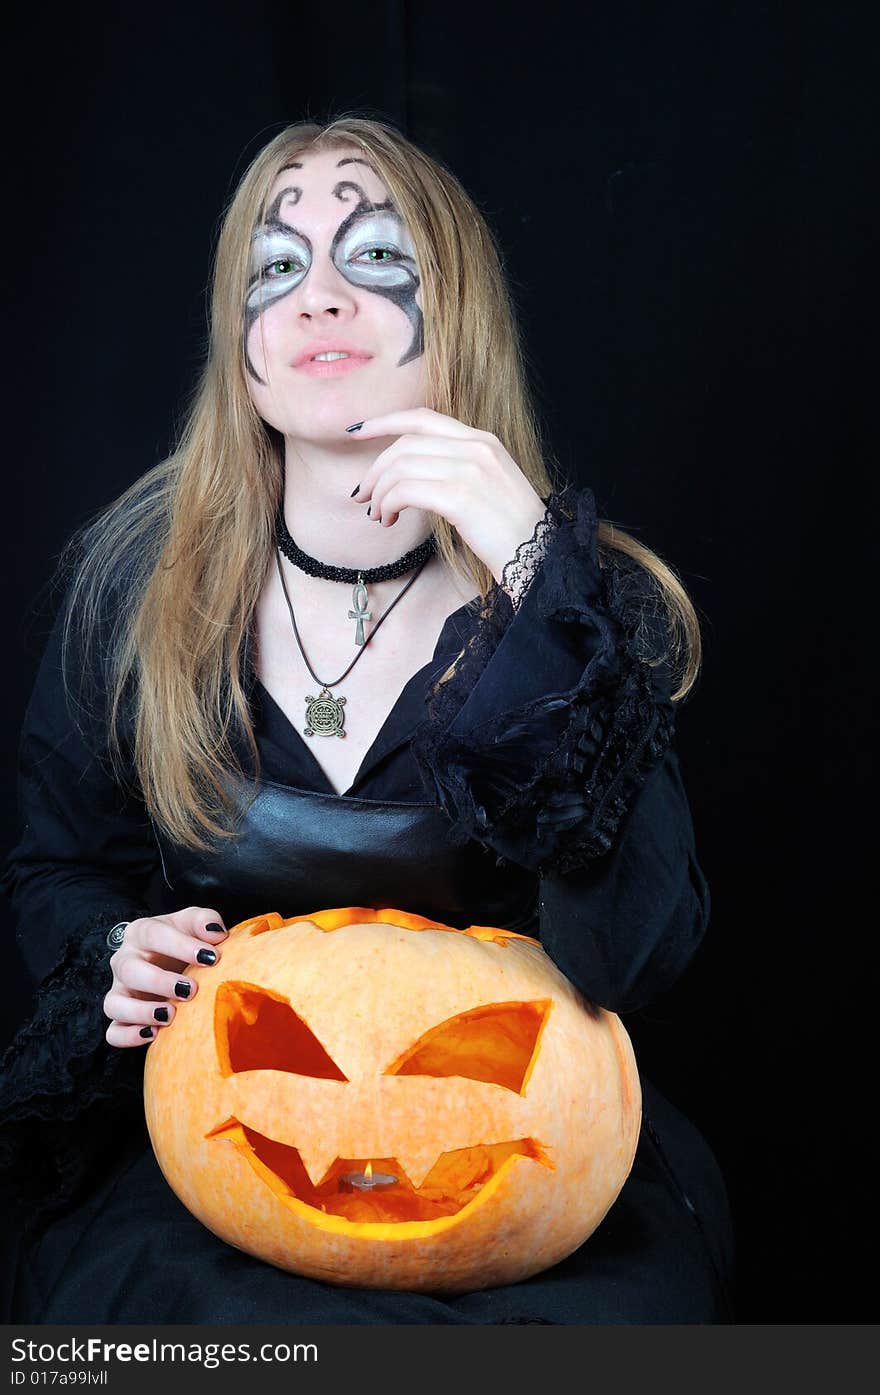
318 177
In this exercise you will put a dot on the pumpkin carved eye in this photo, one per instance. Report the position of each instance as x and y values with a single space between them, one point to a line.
256 1029
496 1043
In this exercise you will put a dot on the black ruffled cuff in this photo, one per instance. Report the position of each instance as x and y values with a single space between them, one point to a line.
64 1091
554 718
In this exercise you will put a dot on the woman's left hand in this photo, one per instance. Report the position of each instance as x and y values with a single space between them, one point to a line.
465 475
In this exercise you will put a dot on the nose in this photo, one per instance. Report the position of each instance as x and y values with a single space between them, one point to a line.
324 290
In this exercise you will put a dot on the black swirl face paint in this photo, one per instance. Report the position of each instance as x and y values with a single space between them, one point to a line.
369 227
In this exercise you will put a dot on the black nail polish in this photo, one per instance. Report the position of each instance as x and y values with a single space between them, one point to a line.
161 1014
183 990
215 929
357 426
146 1031
355 491
369 506
206 956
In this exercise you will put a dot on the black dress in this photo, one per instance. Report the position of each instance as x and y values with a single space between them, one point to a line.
537 790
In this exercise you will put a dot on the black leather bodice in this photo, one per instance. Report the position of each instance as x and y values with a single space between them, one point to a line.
299 851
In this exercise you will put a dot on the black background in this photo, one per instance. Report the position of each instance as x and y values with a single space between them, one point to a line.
685 210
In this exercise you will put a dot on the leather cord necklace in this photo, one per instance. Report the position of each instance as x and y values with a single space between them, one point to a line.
356 576
324 714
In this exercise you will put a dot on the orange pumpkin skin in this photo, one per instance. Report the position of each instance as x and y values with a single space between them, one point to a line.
463 1063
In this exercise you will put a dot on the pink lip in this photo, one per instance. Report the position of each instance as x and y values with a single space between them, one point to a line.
334 367
328 345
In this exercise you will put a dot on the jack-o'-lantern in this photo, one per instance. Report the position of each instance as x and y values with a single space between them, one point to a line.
371 1098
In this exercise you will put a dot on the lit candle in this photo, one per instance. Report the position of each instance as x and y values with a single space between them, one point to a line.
365 1181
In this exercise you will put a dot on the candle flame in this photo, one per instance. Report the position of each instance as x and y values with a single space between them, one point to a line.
368 1170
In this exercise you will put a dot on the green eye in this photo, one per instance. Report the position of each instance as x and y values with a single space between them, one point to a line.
287 265
389 253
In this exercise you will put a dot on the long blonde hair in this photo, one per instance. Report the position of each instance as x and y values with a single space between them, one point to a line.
167 576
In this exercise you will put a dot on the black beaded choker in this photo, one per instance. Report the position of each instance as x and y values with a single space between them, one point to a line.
313 567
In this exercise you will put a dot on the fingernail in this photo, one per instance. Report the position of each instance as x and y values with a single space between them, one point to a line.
369 506
161 1014
354 491
183 990
357 426
206 956
215 929
146 1031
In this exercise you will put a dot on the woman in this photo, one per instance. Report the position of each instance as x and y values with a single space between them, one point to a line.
361 449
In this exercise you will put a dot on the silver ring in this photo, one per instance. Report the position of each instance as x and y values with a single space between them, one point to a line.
116 936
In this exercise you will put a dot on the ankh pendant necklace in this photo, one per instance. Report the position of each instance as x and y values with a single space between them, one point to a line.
359 577
359 600
324 713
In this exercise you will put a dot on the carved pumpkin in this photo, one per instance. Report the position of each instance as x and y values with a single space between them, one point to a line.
371 1098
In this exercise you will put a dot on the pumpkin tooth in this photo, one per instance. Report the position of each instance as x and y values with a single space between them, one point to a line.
317 1158
417 1159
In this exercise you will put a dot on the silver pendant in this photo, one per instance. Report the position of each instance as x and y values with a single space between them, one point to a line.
324 715
360 613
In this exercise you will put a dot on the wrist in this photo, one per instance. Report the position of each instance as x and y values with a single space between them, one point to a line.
522 564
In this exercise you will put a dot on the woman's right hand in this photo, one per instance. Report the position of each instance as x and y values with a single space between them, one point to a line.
148 978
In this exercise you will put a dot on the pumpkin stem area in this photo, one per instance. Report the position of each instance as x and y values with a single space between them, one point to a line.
338 917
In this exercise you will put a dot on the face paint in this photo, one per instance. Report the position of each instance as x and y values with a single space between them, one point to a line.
281 256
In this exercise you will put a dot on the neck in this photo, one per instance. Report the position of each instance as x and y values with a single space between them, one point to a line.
326 522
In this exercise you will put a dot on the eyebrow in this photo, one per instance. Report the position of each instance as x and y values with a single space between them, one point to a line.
348 160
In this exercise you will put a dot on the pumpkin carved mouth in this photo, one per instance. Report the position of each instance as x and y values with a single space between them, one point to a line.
455 1182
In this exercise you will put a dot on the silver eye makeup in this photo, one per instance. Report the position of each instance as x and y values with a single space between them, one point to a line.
271 250
374 232
269 269
277 271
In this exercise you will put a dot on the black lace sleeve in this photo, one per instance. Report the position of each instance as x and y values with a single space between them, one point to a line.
558 709
65 1093
84 861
